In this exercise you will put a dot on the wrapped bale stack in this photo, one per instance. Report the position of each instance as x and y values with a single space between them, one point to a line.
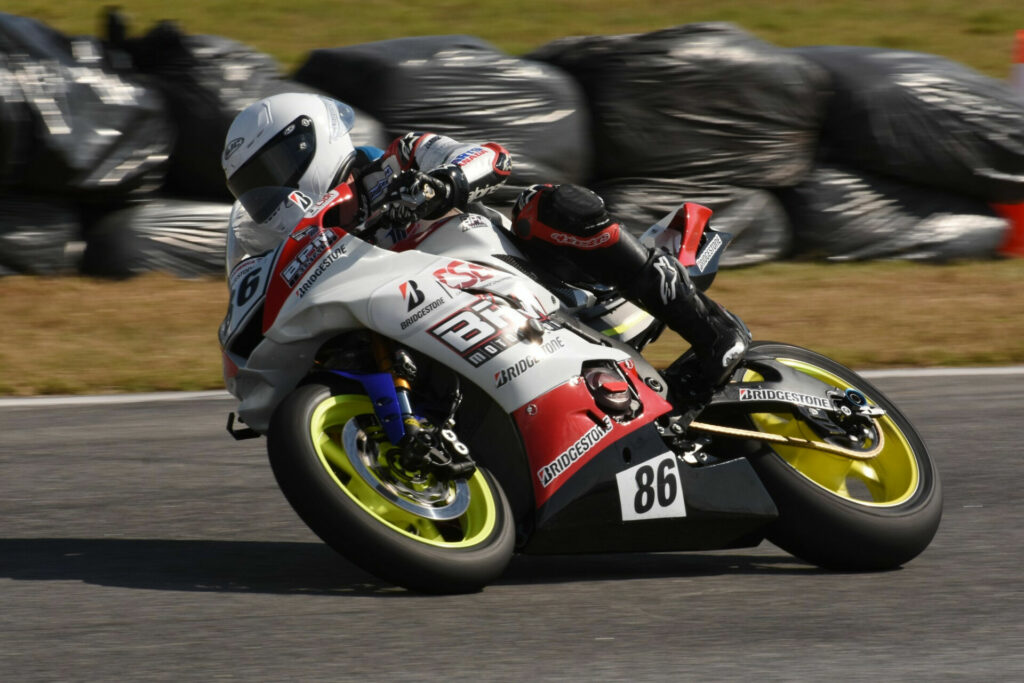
465 88
914 149
701 112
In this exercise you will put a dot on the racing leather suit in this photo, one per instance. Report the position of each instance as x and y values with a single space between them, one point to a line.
468 171
566 227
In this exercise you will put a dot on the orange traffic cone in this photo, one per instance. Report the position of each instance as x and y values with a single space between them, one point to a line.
1014 213
1017 74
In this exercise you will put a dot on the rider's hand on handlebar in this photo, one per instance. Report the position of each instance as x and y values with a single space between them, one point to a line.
413 195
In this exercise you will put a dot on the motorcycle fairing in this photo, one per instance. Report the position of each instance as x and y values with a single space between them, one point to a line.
303 258
687 234
239 334
492 327
247 285
727 506
565 428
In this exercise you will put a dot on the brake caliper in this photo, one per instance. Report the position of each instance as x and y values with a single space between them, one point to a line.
851 419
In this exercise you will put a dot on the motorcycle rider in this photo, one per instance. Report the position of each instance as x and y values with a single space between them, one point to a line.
284 152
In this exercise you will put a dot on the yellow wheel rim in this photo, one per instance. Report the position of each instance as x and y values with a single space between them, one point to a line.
330 418
886 480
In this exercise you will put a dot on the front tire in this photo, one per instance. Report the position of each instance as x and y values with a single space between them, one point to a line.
414 531
840 513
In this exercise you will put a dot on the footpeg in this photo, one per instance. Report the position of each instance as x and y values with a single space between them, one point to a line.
241 433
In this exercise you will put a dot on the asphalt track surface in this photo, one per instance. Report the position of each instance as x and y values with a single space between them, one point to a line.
139 542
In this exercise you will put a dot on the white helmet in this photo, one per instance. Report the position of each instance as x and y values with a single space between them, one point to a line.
283 153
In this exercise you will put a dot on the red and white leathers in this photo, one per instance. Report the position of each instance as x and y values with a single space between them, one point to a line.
567 228
470 172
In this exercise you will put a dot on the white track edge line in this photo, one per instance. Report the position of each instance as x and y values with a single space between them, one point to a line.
155 397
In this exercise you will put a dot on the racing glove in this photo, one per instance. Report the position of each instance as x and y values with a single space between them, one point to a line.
413 195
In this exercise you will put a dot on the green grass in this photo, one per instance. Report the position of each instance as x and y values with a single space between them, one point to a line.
75 335
979 33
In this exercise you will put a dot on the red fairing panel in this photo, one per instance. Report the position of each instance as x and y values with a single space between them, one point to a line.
564 429
694 220
309 242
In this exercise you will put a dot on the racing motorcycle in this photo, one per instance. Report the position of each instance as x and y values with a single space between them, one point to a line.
431 409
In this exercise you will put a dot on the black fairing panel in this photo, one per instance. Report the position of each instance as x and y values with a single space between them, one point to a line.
726 507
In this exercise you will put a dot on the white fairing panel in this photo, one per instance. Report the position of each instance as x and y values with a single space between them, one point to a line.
474 313
488 325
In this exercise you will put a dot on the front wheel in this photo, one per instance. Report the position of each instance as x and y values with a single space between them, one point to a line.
329 456
837 512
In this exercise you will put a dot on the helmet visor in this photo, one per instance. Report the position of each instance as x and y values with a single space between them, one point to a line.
262 182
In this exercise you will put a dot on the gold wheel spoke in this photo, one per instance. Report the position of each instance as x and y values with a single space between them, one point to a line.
393 498
883 472
872 480
335 454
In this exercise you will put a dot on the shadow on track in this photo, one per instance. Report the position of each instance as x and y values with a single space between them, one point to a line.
546 569
313 568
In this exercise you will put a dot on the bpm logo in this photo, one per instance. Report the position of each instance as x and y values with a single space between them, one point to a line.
483 330
316 248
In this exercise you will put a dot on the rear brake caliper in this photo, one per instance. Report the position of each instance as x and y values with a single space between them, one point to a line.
851 419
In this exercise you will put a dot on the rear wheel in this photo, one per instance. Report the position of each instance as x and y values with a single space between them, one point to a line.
331 460
838 512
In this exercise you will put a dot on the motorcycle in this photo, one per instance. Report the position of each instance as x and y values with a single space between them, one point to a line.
434 408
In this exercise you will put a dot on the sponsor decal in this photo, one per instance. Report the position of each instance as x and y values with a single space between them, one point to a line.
232 147
506 375
581 447
431 141
309 254
320 269
462 275
589 243
324 201
787 396
418 315
243 269
300 199
377 189
482 330
412 294
709 252
468 156
472 221
308 232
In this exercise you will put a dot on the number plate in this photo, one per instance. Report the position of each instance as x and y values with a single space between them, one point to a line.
651 489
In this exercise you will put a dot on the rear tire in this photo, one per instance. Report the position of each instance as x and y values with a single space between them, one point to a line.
845 514
396 529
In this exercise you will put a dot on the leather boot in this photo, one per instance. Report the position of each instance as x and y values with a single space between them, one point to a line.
664 289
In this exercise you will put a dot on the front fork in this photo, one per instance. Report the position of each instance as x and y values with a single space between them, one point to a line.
421 445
